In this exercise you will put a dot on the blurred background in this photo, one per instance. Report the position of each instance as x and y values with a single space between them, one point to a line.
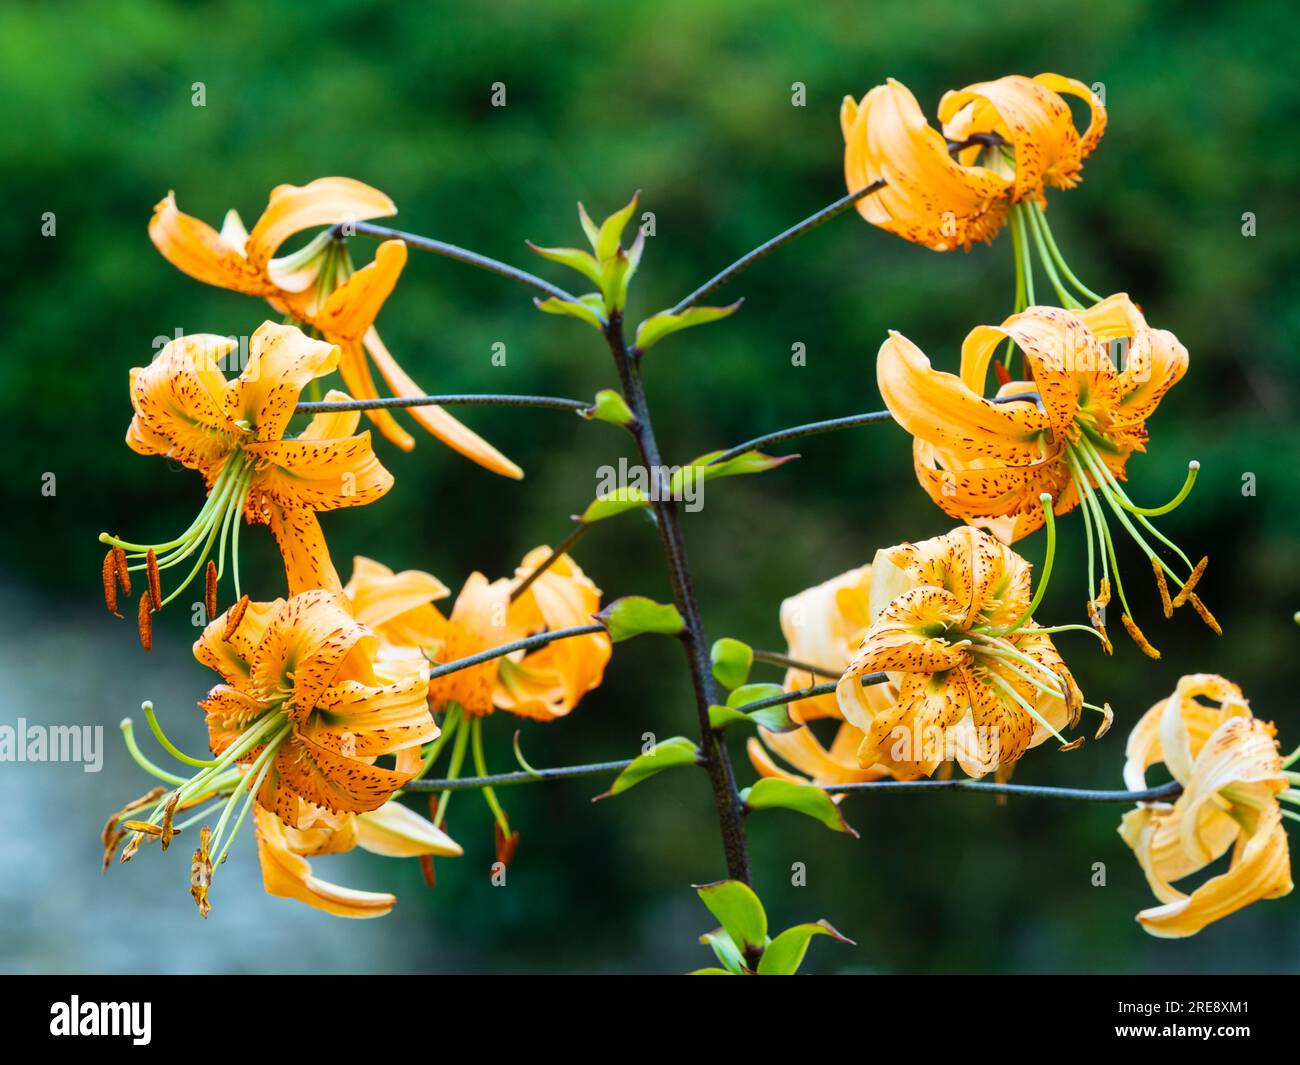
692 104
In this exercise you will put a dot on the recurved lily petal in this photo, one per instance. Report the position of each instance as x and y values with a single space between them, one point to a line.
319 474
282 360
323 202
367 720
195 248
942 409
353 307
288 875
930 198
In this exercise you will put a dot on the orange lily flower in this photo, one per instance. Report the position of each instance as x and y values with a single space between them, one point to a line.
233 432
1232 777
393 830
987 460
823 625
978 680
1017 136
319 287
309 702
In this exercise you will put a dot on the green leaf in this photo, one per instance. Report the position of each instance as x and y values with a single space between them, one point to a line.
635 614
610 407
704 469
773 718
574 309
660 325
753 693
711 972
775 793
739 911
611 230
725 949
615 502
588 226
784 955
574 258
664 755
732 660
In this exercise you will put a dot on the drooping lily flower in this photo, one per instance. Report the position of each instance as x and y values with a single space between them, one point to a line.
309 704
1232 777
823 626
319 287
987 460
543 683
978 680
233 432
1016 136
393 830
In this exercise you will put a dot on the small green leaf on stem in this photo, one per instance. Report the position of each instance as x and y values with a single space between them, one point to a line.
574 258
612 503
732 660
664 755
585 308
773 718
784 955
698 470
775 793
610 407
725 949
635 614
739 911
660 325
611 230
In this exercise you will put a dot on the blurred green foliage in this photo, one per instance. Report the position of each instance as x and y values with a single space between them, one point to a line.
690 103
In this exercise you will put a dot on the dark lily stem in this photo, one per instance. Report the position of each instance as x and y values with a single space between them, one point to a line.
452 251
562 548
1165 791
713 752
772 658
470 400
498 780
799 229
798 431
526 644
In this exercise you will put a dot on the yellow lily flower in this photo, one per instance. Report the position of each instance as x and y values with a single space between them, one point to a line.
309 702
319 287
233 433
823 625
1232 777
1019 137
978 681
543 684
987 460
392 830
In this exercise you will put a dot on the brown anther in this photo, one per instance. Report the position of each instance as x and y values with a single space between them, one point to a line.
1163 585
143 827
210 589
1107 719
1131 628
506 845
145 618
1074 744
110 584
1073 698
1205 614
155 582
1094 618
234 616
1185 592
168 813
123 570
1103 592
133 845
113 831
201 872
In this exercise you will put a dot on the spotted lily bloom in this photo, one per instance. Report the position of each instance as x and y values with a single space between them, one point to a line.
822 625
233 432
987 460
318 287
308 705
393 831
1003 143
978 680
1232 776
